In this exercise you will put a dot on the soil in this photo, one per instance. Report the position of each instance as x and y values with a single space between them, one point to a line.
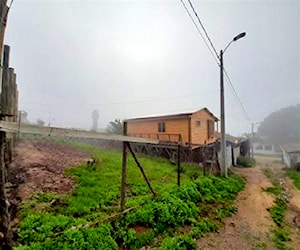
251 226
39 166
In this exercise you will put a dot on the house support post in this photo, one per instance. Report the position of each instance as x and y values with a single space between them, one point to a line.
178 165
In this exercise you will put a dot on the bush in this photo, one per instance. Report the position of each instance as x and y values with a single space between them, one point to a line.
247 162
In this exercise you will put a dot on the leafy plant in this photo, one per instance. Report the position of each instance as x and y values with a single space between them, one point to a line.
274 190
280 236
62 222
245 161
295 176
183 242
278 211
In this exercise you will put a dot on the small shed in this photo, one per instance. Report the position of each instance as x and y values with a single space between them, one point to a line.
232 148
291 155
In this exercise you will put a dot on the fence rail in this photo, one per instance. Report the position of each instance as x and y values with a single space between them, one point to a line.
67 132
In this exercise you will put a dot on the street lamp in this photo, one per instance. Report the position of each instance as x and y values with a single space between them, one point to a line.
223 142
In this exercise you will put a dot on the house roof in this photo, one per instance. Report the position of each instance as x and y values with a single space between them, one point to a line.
229 138
172 116
291 148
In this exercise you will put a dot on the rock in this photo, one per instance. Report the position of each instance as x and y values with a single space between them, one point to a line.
296 220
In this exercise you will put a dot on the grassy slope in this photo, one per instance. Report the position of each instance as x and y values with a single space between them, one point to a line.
53 221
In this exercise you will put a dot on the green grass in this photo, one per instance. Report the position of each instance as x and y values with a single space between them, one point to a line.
245 161
55 221
273 190
279 235
295 176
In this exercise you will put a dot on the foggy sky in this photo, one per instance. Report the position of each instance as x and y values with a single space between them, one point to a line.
137 58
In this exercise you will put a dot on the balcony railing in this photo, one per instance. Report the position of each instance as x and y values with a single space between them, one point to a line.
160 137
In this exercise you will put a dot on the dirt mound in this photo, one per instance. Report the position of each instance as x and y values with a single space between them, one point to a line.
39 166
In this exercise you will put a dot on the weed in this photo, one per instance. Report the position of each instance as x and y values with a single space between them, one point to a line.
183 242
295 176
278 211
96 196
280 236
244 161
274 190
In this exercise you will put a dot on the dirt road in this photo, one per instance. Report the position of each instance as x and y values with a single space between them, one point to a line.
251 226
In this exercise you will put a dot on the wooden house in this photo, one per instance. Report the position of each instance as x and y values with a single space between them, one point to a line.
190 129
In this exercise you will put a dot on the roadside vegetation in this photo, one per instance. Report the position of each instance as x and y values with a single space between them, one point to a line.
245 162
295 176
85 218
278 210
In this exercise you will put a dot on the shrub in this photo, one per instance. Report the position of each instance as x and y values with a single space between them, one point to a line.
244 161
184 242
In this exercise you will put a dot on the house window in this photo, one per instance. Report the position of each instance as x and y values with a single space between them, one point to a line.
198 123
210 128
161 127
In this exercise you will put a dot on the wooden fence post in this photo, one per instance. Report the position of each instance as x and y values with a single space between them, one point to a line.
178 165
124 168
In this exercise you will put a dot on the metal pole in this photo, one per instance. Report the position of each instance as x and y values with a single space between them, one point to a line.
223 143
252 139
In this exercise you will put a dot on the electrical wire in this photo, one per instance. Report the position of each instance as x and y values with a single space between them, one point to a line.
215 55
206 34
197 28
236 95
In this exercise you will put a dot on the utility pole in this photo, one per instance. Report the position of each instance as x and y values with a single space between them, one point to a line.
223 141
252 139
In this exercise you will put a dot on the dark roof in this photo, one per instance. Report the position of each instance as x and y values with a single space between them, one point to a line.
171 116
229 138
291 148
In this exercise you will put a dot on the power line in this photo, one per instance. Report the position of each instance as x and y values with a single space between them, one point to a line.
203 28
228 79
197 28
236 95
11 2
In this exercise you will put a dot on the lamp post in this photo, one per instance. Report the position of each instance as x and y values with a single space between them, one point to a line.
223 142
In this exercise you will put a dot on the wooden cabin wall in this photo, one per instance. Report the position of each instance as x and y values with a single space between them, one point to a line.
199 133
173 126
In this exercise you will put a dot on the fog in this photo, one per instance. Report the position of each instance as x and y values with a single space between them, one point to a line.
137 58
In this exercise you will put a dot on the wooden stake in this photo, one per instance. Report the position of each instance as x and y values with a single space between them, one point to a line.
140 167
178 165
124 169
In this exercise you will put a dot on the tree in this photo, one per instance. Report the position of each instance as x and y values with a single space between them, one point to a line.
281 126
40 122
115 127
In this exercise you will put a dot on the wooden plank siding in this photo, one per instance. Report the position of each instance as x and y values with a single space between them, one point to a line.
192 127
199 127
149 128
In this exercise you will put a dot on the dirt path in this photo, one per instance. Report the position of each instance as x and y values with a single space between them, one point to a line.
250 228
